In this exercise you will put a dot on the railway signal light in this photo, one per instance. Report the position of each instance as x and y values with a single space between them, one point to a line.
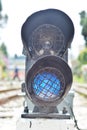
46 37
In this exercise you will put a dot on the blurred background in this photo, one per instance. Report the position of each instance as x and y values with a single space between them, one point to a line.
13 13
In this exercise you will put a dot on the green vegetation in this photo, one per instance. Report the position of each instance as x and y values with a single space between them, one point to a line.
82 58
80 68
83 23
3 49
0 6
3 61
78 79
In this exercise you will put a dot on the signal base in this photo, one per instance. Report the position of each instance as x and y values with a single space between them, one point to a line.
44 124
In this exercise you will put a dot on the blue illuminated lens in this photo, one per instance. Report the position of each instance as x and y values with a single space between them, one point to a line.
46 85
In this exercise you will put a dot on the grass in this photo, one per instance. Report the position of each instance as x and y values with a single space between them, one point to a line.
78 79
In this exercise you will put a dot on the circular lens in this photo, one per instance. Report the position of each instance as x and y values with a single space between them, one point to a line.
46 85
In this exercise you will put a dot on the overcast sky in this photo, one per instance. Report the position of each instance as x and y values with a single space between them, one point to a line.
19 10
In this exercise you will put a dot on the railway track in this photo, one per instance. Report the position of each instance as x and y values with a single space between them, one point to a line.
12 94
80 89
8 94
11 98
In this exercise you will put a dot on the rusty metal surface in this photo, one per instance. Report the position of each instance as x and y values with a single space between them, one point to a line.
46 39
47 27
